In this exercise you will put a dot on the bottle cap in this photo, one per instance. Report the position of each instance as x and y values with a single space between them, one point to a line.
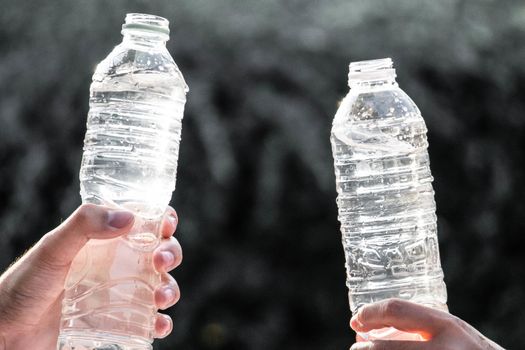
371 71
145 22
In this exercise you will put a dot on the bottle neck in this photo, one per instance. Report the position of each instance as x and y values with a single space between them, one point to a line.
372 74
140 39
145 30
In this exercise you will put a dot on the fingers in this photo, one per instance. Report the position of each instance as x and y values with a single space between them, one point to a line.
169 224
168 293
165 258
60 246
391 345
168 255
163 326
400 314
89 221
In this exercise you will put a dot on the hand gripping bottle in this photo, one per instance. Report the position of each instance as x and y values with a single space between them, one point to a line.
130 160
385 196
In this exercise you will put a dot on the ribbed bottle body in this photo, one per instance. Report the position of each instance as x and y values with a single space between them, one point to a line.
385 199
133 133
130 157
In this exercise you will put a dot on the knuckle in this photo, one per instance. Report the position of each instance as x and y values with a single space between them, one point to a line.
86 208
83 213
392 308
85 219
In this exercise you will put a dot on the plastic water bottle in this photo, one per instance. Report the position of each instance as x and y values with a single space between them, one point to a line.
385 196
130 159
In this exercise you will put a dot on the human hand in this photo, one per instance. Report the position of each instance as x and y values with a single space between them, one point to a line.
441 330
31 290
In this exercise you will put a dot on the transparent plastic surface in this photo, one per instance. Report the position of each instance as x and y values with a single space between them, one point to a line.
130 160
385 196
133 132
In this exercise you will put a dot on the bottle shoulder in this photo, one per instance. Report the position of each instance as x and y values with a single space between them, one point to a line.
139 64
379 122
375 104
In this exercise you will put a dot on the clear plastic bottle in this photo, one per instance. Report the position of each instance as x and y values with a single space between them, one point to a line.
385 195
130 160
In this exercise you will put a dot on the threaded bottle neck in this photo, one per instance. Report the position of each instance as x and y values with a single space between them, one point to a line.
146 28
372 73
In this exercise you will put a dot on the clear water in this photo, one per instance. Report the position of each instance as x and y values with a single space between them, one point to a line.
109 298
130 159
386 201
132 140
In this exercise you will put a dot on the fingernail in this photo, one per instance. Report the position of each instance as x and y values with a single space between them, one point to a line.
361 346
168 258
118 218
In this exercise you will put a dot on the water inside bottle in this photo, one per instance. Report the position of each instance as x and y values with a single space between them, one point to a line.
386 202
132 142
105 290
130 159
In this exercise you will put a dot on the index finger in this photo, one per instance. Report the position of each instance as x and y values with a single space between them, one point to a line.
169 222
400 314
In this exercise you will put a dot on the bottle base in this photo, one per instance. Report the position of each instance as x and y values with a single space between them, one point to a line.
99 341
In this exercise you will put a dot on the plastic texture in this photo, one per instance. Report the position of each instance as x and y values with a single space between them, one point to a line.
130 160
385 195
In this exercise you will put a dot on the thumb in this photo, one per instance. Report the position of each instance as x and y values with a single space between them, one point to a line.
59 247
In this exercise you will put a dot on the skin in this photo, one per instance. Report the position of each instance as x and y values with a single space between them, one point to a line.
31 290
441 330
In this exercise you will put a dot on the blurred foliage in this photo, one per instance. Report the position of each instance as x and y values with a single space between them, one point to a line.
263 260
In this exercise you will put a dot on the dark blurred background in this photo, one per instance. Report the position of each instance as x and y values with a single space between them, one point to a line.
255 192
